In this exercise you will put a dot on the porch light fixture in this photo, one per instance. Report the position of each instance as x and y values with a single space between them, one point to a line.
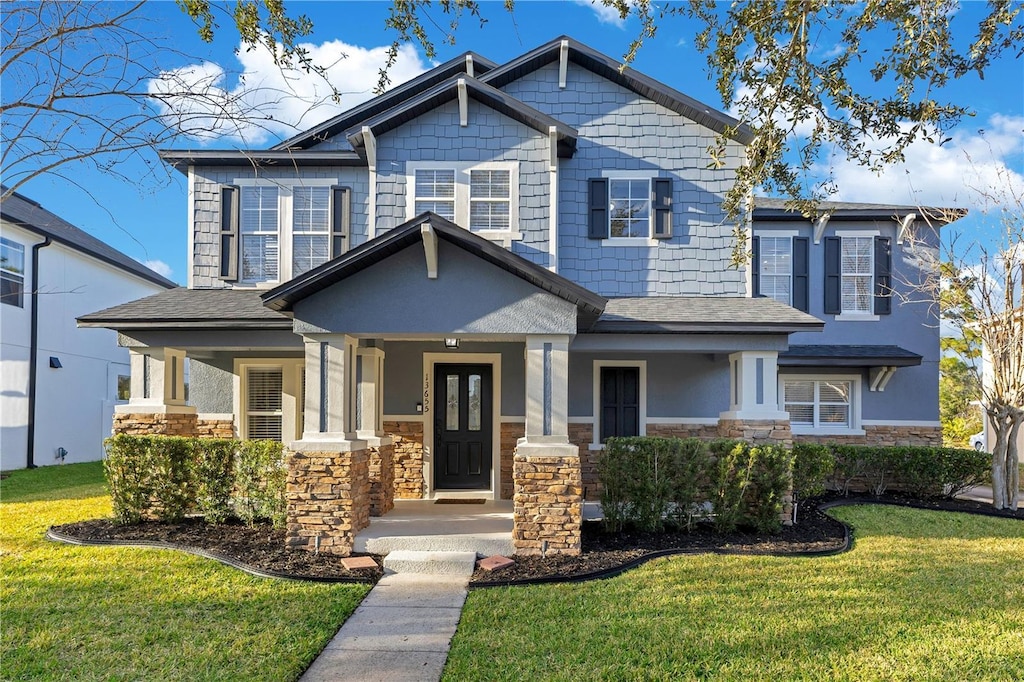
451 344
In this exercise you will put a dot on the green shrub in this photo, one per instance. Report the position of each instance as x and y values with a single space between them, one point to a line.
732 478
214 464
644 480
771 468
918 471
813 464
171 477
260 478
127 469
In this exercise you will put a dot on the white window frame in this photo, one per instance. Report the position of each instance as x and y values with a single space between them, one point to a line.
285 219
789 240
596 419
649 175
11 273
291 387
325 232
852 315
462 195
854 429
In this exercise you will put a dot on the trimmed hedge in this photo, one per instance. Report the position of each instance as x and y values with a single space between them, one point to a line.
651 483
169 477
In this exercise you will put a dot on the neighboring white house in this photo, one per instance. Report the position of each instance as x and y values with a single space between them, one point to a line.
50 273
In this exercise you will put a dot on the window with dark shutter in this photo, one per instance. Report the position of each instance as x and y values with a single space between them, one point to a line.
620 402
341 220
662 191
229 198
883 276
755 266
598 208
833 276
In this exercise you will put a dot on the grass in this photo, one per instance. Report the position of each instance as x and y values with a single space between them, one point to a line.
90 613
922 596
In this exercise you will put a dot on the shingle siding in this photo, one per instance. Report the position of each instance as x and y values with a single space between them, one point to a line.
489 136
621 131
206 225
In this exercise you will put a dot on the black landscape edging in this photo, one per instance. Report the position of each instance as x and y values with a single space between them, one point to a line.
852 501
57 536
658 554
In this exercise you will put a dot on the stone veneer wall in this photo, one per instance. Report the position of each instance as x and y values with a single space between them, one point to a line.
883 436
328 497
382 479
215 428
511 432
759 431
582 435
548 505
407 440
152 424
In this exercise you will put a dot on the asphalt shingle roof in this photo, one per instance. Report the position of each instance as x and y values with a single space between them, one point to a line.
191 308
773 207
702 314
837 355
31 216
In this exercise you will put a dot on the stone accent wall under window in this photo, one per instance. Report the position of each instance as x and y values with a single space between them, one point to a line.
882 435
215 428
582 435
757 431
703 431
548 504
407 439
382 479
154 424
328 497
511 432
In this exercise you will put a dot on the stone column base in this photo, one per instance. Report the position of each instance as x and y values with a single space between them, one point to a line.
155 423
382 479
548 499
757 431
328 495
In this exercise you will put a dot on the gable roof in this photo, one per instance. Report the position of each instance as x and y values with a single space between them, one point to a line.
448 90
182 308
283 297
31 216
773 208
641 84
702 315
393 97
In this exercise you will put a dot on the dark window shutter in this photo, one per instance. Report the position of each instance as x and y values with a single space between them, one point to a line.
620 402
598 213
883 276
341 220
801 273
833 275
662 191
755 265
229 201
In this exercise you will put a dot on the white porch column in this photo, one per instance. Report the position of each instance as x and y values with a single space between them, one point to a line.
754 387
370 407
157 376
547 389
330 405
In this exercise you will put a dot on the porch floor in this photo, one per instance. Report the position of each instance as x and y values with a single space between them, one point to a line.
425 526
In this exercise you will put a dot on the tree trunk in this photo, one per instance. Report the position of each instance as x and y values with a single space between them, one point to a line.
1012 467
999 453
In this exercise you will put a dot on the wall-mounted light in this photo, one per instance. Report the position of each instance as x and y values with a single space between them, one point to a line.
451 344
55 362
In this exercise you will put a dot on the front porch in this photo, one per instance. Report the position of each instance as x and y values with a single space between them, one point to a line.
426 525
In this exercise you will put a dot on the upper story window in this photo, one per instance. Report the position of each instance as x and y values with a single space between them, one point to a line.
272 231
12 273
629 207
779 268
480 197
857 275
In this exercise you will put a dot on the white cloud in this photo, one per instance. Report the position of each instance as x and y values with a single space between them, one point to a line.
264 100
605 14
159 267
959 172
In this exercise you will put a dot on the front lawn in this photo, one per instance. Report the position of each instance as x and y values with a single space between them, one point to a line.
922 596
90 613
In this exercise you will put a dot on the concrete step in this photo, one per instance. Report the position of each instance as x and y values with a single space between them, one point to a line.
483 544
434 563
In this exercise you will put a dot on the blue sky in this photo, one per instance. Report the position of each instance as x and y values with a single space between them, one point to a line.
150 222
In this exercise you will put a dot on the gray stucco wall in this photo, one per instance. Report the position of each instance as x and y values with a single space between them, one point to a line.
211 384
679 385
621 131
404 373
206 220
913 393
489 136
469 296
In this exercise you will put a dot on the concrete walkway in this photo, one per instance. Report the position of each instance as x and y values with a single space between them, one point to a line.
401 631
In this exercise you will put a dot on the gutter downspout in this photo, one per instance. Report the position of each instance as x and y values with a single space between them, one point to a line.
33 353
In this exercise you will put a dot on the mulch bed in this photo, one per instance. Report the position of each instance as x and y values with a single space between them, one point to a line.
263 549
